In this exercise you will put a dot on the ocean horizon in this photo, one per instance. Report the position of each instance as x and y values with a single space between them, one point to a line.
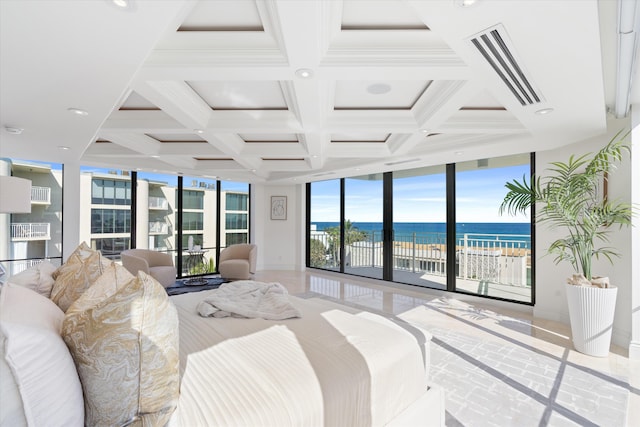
516 231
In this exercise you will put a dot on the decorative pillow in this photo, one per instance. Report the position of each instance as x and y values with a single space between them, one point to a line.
82 252
76 277
11 409
38 278
39 361
124 341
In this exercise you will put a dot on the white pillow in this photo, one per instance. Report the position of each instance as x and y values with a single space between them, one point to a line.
38 358
38 278
11 409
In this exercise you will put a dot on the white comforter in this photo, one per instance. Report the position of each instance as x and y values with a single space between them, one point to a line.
329 367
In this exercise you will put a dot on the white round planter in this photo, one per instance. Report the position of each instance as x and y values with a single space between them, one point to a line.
591 311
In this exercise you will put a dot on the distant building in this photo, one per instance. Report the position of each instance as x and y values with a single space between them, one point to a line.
105 217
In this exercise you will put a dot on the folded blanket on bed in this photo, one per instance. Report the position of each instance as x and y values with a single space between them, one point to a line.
248 299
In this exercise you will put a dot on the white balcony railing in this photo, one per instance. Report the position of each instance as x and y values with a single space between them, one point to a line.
158 227
41 195
30 231
498 258
158 203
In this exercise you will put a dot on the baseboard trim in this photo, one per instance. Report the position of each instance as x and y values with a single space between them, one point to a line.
634 350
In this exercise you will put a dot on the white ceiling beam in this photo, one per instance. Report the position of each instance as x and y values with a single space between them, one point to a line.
177 99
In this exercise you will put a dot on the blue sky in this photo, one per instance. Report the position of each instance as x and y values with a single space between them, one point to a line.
420 199
173 179
479 193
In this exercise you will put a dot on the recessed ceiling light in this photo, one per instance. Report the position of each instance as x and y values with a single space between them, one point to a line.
198 131
63 147
304 73
253 170
378 88
424 131
13 131
154 156
458 153
121 3
544 111
78 111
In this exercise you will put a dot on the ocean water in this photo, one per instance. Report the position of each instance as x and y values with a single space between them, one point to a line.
436 231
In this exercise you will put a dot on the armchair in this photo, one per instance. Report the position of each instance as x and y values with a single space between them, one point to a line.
158 265
238 262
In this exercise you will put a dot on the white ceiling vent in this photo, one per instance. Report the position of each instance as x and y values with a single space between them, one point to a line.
497 49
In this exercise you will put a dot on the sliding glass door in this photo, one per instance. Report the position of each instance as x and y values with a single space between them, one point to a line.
324 232
437 227
493 251
419 227
363 228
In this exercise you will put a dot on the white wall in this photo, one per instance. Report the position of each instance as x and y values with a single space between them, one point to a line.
634 345
551 302
280 242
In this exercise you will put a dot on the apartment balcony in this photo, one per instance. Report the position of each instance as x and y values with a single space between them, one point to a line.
158 203
40 195
158 228
25 231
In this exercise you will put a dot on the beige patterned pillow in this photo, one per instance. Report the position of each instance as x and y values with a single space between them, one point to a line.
76 278
82 252
124 341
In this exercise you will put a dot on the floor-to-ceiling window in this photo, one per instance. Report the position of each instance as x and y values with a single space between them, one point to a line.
199 225
108 213
493 251
363 226
158 216
419 226
234 211
156 212
324 242
447 232
26 239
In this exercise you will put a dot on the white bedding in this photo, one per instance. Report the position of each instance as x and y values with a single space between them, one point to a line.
248 299
330 367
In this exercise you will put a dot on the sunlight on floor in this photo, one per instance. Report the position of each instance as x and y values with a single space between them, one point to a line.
497 366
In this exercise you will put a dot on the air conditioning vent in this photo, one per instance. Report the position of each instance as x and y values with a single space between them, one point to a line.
495 47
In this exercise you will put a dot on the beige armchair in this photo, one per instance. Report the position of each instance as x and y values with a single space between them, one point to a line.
158 265
238 262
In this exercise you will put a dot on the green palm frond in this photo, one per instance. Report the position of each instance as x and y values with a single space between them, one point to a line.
570 198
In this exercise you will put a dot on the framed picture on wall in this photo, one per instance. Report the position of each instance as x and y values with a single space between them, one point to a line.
278 207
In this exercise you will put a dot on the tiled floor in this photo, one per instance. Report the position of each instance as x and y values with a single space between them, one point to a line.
499 366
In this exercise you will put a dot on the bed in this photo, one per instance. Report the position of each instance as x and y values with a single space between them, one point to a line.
91 344
334 366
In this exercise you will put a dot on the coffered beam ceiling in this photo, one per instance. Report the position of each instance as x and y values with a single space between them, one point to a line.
215 88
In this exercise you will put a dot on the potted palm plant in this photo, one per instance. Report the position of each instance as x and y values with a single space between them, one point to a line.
571 199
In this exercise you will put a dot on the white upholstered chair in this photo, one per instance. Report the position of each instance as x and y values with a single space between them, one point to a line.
238 262
158 265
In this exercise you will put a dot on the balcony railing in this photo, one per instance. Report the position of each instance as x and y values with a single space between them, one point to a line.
158 203
503 259
30 231
41 195
158 227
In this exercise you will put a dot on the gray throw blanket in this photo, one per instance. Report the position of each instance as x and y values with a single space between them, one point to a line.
248 299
